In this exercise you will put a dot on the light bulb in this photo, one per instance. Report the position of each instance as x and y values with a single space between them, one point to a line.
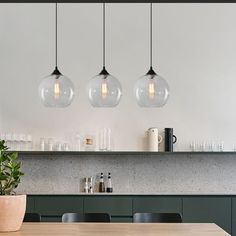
56 90
104 89
151 90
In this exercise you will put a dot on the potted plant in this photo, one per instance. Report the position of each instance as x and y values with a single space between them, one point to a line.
12 206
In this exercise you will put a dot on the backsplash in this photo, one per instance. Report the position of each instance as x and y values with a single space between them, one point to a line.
175 173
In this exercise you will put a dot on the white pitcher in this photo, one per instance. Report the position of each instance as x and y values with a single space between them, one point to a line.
154 139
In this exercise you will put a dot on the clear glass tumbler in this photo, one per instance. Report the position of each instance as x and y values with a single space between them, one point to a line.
105 139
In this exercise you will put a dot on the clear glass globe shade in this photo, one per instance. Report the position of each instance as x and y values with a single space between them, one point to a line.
56 90
104 90
151 90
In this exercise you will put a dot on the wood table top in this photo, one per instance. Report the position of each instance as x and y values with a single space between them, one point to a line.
118 229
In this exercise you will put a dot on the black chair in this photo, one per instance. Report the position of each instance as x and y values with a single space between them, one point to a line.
86 217
32 217
157 218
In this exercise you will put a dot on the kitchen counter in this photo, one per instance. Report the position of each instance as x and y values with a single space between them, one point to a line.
131 194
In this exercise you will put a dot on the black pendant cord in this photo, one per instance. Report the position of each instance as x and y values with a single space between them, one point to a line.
150 35
104 71
56 71
56 35
151 71
104 34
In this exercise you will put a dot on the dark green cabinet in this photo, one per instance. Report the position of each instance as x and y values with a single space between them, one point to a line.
196 209
208 210
157 204
30 204
57 205
234 216
114 205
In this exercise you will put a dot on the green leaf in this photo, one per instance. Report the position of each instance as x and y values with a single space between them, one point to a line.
10 173
3 177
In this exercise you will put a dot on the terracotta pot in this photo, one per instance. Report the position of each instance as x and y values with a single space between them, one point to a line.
12 212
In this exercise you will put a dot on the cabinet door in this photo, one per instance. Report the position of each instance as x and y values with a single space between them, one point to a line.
157 204
234 216
30 204
113 205
57 205
208 210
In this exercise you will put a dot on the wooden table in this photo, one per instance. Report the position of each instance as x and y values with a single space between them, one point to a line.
117 229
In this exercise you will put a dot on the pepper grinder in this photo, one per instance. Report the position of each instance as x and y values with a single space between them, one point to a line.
86 185
90 184
101 184
109 184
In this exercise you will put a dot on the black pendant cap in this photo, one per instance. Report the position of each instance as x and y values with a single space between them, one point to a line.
151 72
104 71
56 72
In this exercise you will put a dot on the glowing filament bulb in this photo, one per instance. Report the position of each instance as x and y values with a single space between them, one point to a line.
104 90
56 90
151 90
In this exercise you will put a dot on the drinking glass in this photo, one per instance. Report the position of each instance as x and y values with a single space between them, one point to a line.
15 141
193 146
8 140
65 147
77 144
58 146
105 139
212 146
50 144
3 136
42 144
29 142
202 146
22 142
220 146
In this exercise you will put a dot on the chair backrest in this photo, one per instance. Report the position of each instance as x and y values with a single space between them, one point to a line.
32 217
157 217
86 217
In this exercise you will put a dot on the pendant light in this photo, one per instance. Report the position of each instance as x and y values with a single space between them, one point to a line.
104 90
151 90
56 90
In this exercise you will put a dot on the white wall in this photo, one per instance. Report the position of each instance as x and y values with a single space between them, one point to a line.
194 49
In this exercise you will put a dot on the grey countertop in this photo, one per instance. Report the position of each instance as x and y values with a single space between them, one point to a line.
136 194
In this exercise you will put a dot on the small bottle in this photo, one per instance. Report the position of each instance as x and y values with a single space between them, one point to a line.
101 184
42 144
86 186
90 184
109 184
